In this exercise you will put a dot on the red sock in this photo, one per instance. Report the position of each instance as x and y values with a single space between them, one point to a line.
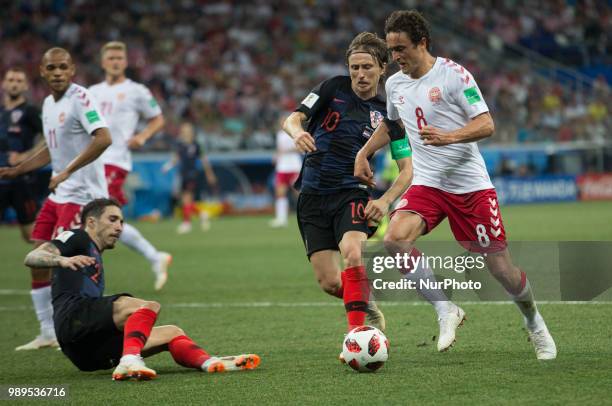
187 353
339 293
356 295
40 285
137 330
187 211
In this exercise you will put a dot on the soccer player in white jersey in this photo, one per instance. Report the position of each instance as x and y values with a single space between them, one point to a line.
76 135
288 165
123 103
444 113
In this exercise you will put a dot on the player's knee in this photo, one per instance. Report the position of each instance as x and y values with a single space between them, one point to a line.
352 255
176 331
330 285
153 306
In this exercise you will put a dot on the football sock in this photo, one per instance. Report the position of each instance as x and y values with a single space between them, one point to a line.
524 301
133 239
436 297
187 353
281 206
187 212
137 330
356 295
41 298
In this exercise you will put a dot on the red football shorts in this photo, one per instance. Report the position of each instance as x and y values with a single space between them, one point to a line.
474 218
286 178
55 218
115 177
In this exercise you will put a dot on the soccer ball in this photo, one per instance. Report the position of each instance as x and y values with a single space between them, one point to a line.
365 349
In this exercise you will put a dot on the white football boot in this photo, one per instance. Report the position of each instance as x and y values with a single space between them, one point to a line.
231 363
449 322
133 366
160 269
38 343
541 339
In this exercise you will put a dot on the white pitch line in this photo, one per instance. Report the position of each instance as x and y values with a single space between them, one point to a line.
16 292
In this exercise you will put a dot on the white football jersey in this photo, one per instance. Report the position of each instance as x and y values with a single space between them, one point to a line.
447 97
122 105
67 125
288 160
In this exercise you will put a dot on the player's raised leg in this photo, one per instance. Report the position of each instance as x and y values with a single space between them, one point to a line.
404 228
517 285
160 261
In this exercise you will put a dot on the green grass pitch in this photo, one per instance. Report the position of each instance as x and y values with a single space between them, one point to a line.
243 287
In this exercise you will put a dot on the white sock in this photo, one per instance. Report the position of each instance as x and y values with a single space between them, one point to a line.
133 239
524 301
436 297
281 206
44 310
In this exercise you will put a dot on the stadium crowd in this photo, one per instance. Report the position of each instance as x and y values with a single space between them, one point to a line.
233 67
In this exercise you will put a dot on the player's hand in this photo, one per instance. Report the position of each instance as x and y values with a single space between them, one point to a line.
362 170
9 172
136 142
57 179
76 262
434 136
304 142
376 210
15 158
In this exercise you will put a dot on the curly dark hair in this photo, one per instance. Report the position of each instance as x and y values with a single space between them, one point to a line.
371 44
412 23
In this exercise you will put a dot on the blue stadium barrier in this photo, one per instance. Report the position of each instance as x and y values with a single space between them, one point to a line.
539 189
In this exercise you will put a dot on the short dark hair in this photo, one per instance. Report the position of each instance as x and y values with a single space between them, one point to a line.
371 44
17 69
96 207
412 23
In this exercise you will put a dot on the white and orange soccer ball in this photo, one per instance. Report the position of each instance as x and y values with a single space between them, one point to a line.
365 349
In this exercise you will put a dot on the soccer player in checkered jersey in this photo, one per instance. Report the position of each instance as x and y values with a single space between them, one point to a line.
443 111
123 103
76 135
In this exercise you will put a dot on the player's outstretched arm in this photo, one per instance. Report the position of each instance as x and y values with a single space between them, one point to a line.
377 209
303 140
39 158
48 256
153 125
480 127
100 141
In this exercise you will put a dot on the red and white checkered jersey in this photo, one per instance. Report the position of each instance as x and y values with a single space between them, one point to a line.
67 125
447 97
123 105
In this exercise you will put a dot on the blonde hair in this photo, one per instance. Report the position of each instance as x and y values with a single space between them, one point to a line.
114 46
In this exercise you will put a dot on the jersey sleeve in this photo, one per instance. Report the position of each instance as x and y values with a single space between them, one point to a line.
87 111
72 242
318 98
147 104
392 113
465 92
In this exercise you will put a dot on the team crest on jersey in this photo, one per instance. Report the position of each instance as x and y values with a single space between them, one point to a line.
121 96
435 95
16 115
375 118
62 117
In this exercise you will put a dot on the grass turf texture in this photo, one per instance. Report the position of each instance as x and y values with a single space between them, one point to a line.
242 261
